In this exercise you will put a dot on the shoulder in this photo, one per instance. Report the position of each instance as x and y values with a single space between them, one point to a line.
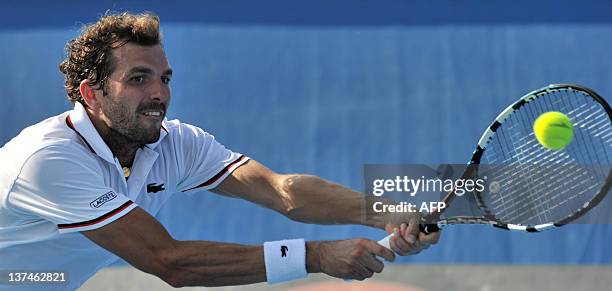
45 145
60 158
62 172
64 149
180 132
51 133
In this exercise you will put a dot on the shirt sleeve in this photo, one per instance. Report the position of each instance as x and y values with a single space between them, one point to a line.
203 162
63 184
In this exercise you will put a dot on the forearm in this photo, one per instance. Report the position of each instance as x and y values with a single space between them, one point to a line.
203 263
211 264
314 200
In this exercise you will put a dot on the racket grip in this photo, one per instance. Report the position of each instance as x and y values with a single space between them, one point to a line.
387 244
429 228
385 241
425 228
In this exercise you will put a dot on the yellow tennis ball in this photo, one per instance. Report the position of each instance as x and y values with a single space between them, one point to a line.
554 130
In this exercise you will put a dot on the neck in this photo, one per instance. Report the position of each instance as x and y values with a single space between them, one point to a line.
120 145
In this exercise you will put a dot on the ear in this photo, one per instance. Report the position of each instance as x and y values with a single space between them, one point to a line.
88 93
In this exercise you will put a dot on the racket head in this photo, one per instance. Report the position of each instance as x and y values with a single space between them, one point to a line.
529 201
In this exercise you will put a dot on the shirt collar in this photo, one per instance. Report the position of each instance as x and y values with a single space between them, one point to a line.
80 122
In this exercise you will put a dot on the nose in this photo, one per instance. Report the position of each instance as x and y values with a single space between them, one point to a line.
160 91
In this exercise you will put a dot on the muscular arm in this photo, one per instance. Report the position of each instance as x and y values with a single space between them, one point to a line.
310 199
142 241
303 198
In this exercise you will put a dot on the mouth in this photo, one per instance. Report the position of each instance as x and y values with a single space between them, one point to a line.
154 114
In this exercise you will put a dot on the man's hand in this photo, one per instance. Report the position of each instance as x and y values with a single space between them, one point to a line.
407 238
356 259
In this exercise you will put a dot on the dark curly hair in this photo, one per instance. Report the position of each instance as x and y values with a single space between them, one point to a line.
88 56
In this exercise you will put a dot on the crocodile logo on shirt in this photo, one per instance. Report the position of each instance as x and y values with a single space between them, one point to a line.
152 188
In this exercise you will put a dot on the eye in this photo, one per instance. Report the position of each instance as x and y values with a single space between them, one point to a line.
137 79
165 80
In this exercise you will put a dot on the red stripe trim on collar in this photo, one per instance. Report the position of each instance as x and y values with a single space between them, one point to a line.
69 123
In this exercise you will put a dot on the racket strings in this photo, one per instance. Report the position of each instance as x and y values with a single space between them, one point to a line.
524 141
538 185
522 152
531 208
581 179
530 159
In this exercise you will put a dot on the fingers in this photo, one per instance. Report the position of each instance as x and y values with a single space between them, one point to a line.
398 244
383 252
371 261
408 238
372 264
359 259
430 239
405 241
361 272
412 231
366 262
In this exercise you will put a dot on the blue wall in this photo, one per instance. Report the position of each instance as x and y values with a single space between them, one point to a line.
324 87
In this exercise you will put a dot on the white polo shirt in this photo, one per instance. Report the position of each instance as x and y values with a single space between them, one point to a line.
58 177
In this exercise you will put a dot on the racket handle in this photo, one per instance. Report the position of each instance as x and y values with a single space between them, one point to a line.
425 228
387 244
385 241
429 228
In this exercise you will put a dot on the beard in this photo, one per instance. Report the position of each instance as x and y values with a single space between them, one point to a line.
131 124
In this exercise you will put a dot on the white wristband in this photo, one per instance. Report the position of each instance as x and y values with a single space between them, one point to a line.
285 260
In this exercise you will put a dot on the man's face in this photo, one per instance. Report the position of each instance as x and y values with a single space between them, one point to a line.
138 93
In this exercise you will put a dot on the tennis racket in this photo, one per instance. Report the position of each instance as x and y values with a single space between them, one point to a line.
527 199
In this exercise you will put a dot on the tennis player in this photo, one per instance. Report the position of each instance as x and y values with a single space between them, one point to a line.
81 189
